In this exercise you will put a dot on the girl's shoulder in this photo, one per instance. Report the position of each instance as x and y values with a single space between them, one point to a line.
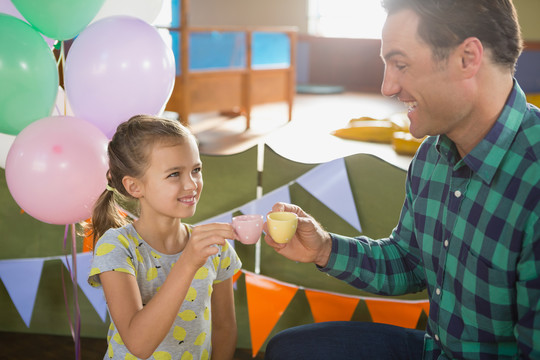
126 235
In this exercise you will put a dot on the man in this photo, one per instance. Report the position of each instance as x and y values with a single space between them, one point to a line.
469 230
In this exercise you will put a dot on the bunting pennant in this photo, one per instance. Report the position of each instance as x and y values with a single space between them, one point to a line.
395 312
267 299
326 306
21 278
425 307
264 204
94 295
329 183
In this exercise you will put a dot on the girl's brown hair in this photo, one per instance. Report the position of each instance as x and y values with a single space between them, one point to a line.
129 152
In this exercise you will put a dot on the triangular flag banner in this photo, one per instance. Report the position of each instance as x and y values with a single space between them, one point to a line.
425 306
399 313
264 205
236 276
94 295
267 300
329 183
327 306
21 278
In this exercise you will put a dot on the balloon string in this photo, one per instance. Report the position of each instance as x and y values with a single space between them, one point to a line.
63 57
75 330
76 292
60 66
64 284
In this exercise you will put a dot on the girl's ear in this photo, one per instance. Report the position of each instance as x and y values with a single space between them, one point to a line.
132 186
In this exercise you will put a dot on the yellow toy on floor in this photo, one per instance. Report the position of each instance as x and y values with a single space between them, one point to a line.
393 130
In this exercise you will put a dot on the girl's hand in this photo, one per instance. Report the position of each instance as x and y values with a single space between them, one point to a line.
310 243
203 241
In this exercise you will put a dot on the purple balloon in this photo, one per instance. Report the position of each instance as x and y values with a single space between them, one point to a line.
118 67
56 169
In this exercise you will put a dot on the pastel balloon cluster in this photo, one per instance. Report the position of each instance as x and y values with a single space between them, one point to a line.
117 66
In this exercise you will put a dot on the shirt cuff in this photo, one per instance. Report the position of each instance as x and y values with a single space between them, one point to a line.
333 255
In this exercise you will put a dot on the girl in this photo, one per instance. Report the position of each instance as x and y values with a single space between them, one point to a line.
168 285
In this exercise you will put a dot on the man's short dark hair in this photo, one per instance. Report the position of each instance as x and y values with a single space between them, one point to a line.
444 24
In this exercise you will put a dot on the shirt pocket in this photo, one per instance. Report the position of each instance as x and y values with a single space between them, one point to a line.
486 296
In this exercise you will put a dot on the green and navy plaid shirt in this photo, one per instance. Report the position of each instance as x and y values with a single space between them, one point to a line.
469 231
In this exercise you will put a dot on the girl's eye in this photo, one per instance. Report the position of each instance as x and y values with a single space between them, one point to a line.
174 174
197 170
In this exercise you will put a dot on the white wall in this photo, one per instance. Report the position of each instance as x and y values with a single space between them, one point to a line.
249 13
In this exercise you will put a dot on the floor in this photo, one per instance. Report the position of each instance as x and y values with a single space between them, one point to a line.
16 346
306 139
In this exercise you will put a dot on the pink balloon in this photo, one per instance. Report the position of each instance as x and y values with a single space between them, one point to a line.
118 67
56 169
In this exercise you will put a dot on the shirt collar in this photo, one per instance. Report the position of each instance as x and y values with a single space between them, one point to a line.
486 157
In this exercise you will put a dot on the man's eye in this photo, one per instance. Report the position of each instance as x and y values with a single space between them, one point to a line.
400 66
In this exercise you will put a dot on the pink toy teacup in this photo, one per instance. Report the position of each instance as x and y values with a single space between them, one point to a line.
248 228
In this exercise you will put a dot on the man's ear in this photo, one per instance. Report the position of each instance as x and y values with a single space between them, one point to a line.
471 52
132 186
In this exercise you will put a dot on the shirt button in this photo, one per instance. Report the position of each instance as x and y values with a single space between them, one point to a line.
445 243
457 193
436 337
438 291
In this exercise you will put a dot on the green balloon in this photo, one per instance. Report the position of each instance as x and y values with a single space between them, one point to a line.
59 19
28 76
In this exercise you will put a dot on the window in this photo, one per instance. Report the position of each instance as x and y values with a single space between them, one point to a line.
346 18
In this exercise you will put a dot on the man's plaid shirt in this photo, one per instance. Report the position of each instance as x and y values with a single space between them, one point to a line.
469 231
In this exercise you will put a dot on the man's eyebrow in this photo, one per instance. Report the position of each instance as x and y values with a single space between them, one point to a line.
393 53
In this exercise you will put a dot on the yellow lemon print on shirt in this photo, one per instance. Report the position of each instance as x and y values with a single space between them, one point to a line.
162 355
130 263
156 256
151 274
139 256
186 356
206 313
225 263
118 339
104 249
225 247
201 274
133 239
205 355
123 241
216 262
187 315
110 352
191 294
210 290
200 339
179 333
130 357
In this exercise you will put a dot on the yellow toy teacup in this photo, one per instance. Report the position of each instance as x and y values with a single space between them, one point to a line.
282 226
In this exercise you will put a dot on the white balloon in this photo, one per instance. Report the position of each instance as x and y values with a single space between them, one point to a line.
147 10
5 144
